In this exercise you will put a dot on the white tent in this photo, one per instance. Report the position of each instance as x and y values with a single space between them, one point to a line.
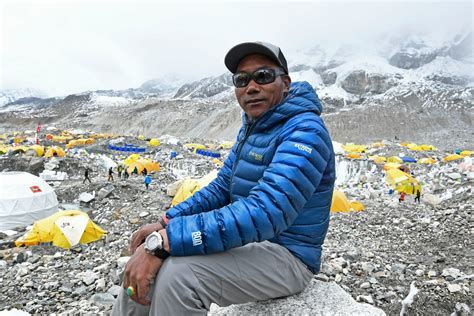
24 198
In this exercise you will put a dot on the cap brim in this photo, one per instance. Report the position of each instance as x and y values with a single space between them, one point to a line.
237 53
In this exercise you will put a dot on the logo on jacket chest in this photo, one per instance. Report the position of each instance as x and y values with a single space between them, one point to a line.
255 156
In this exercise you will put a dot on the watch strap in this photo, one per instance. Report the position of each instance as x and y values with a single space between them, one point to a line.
162 221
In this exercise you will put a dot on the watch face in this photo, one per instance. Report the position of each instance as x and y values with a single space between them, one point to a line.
153 241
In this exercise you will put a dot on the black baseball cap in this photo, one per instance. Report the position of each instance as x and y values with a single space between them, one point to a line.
238 52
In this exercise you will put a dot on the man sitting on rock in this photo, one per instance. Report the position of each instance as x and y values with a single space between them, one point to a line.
257 230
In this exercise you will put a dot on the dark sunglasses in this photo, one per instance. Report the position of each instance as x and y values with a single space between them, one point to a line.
260 76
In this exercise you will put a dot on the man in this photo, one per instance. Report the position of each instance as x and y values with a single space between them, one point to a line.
111 173
418 195
86 176
256 231
147 181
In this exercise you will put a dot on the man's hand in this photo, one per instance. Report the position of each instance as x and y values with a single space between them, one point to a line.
140 235
140 272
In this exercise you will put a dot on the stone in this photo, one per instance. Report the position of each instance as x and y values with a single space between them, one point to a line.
3 264
399 268
432 273
452 272
88 277
100 285
22 271
338 264
102 299
365 299
352 255
122 261
105 191
431 199
453 288
327 298
81 290
365 285
144 214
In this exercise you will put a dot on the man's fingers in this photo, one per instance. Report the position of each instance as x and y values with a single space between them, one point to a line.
142 292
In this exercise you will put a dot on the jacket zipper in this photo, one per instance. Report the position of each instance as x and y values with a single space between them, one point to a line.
237 156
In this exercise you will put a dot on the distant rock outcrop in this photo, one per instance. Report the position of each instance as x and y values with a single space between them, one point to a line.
356 82
205 88
379 83
329 77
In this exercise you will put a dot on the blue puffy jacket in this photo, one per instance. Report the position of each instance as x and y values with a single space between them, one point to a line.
276 185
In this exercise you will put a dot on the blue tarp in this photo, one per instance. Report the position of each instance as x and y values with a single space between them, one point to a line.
128 148
409 159
207 153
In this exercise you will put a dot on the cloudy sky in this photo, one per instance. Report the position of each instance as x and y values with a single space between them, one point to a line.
63 47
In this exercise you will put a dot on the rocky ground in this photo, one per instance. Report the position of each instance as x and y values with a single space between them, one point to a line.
379 255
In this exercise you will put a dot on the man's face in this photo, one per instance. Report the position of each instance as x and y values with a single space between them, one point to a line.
256 99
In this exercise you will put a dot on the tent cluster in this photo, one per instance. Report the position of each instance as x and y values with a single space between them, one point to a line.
394 164
415 147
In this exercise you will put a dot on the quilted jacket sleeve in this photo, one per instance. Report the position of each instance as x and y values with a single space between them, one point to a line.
272 205
211 197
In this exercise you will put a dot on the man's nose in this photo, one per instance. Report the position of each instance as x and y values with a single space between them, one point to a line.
253 87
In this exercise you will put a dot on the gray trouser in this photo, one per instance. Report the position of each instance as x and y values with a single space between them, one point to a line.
188 285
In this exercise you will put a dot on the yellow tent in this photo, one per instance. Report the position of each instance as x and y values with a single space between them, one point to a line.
38 149
65 229
19 149
395 159
143 163
194 146
412 146
130 159
353 155
354 148
466 153
3 150
339 202
391 165
452 157
378 159
80 142
54 151
217 163
377 145
61 139
357 206
191 186
154 142
225 145
427 147
402 182
427 161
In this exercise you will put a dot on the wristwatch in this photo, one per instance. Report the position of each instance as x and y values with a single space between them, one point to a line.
154 246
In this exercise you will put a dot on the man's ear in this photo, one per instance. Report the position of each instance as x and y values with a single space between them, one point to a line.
286 81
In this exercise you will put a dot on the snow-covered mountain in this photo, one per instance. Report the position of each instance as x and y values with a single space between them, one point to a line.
11 95
403 76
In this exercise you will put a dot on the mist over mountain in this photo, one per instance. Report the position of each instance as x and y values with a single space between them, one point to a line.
426 88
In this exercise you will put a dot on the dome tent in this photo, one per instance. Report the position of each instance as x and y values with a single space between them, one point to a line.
24 198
